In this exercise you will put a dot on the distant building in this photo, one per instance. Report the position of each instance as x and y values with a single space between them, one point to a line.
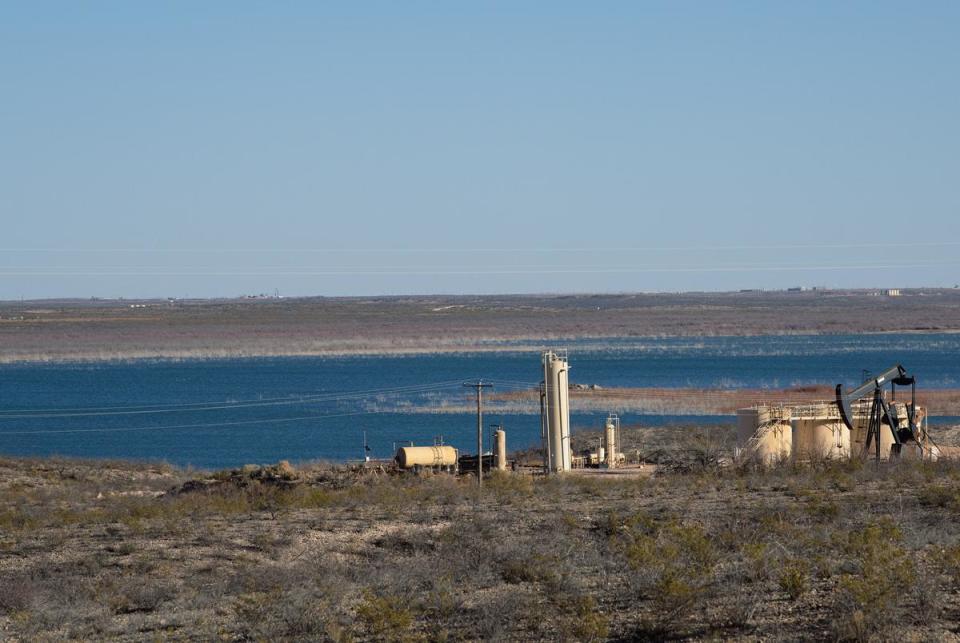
795 289
892 292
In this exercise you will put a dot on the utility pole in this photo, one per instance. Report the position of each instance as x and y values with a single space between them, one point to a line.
479 386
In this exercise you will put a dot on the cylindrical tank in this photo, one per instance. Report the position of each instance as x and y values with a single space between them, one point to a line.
435 456
861 425
500 448
610 443
557 409
764 433
818 432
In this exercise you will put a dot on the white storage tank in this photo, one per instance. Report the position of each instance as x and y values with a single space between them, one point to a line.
557 411
819 433
765 434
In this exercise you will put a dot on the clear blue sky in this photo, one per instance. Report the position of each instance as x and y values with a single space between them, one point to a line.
220 148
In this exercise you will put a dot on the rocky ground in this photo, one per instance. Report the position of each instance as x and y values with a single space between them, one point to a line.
120 551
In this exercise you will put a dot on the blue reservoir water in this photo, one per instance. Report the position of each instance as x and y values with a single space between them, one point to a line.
222 413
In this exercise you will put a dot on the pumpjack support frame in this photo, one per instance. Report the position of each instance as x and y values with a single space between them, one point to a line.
882 413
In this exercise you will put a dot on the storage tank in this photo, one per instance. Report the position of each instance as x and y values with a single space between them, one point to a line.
557 411
611 431
861 424
819 432
500 448
435 456
765 433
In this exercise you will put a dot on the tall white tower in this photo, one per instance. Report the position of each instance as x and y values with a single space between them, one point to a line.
556 411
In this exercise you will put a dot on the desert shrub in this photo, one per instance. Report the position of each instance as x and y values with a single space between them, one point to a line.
285 614
16 519
743 602
16 594
536 568
468 547
940 496
673 566
499 614
439 599
509 488
130 595
756 556
312 497
950 559
928 600
583 621
822 510
123 548
870 596
271 543
386 617
794 578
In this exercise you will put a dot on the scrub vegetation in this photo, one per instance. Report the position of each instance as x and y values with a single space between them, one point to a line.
95 550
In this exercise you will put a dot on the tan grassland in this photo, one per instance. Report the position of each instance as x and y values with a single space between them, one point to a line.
132 552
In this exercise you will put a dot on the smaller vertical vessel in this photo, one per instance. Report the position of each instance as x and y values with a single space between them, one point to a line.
500 448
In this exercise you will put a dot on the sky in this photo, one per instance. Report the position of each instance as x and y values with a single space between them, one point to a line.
186 149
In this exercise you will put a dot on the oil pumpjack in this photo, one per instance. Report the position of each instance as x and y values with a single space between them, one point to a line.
881 413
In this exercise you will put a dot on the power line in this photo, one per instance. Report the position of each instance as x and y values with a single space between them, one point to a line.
458 251
270 269
476 272
189 426
197 406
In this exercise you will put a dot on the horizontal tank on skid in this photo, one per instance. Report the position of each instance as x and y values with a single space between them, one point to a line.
439 456
765 434
819 433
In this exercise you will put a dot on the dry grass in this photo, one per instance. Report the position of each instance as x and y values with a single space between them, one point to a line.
841 550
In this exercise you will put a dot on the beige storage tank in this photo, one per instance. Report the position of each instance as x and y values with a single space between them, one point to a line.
500 448
861 422
909 449
435 456
557 411
819 432
765 434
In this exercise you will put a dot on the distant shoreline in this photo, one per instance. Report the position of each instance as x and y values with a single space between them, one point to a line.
104 331
525 345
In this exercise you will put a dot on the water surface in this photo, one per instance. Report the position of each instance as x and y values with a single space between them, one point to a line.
221 413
